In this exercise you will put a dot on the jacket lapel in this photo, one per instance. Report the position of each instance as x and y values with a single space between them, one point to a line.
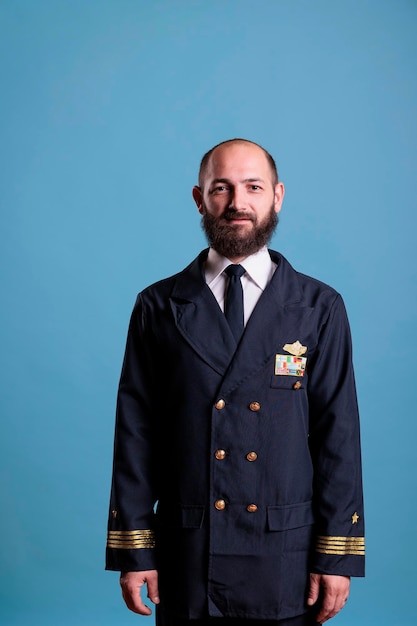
199 318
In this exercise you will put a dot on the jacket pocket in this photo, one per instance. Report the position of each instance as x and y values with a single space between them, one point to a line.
192 516
290 516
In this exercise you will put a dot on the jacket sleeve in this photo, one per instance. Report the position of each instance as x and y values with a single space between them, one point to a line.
335 448
131 537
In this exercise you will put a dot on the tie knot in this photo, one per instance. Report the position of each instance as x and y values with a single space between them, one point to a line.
235 270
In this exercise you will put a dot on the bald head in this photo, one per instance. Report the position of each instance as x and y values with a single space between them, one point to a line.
205 161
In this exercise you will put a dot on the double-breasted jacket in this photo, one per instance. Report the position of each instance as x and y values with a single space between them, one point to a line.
237 468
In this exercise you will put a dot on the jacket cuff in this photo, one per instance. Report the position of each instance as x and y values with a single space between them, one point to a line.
341 556
130 550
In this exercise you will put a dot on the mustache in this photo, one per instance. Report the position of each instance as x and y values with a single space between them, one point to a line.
235 214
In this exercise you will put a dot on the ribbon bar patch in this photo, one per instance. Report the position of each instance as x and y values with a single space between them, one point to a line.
286 365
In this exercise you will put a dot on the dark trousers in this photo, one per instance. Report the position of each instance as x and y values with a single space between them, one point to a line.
307 619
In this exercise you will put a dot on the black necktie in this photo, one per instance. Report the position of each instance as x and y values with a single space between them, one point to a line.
233 308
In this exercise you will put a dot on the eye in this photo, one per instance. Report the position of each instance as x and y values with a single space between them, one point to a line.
255 188
220 189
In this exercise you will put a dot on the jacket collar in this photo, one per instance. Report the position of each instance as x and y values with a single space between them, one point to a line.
202 324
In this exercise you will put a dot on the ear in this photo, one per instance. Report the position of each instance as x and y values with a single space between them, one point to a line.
279 193
198 198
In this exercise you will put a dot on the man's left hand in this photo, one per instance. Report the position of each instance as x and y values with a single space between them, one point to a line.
333 591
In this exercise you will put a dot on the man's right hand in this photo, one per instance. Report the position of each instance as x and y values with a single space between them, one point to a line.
132 583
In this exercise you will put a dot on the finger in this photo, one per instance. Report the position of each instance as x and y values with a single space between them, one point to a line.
327 611
331 605
153 592
314 590
134 603
131 592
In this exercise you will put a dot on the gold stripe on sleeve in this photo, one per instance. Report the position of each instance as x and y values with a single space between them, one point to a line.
130 539
341 546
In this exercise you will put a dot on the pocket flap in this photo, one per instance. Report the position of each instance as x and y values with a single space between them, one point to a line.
290 516
287 382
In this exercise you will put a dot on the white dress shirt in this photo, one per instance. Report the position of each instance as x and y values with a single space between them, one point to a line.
259 269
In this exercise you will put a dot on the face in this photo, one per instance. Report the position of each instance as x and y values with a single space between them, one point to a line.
238 200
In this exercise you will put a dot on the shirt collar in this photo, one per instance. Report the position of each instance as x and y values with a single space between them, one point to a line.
258 266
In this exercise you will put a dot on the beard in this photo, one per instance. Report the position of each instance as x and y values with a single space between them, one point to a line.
232 241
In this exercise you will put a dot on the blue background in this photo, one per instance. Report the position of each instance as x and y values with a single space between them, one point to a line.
106 108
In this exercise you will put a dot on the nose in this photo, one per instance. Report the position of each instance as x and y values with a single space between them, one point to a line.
237 199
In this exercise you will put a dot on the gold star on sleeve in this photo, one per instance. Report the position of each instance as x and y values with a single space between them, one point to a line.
355 518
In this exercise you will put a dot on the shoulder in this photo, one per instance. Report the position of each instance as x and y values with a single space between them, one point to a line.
161 290
310 289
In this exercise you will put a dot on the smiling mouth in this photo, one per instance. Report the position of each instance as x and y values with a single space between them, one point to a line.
236 217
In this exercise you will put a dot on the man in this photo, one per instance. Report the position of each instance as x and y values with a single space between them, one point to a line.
237 417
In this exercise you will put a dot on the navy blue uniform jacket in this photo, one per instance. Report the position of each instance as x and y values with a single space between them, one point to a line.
230 478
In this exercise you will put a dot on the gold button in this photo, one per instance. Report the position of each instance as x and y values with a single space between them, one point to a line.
297 385
220 404
220 454
254 406
220 505
251 456
252 508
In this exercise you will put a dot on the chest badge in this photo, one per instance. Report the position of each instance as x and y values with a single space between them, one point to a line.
286 365
292 364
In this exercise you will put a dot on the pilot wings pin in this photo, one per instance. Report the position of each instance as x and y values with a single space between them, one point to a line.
296 348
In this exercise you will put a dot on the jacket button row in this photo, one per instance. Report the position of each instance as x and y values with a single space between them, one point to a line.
221 454
220 505
254 406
